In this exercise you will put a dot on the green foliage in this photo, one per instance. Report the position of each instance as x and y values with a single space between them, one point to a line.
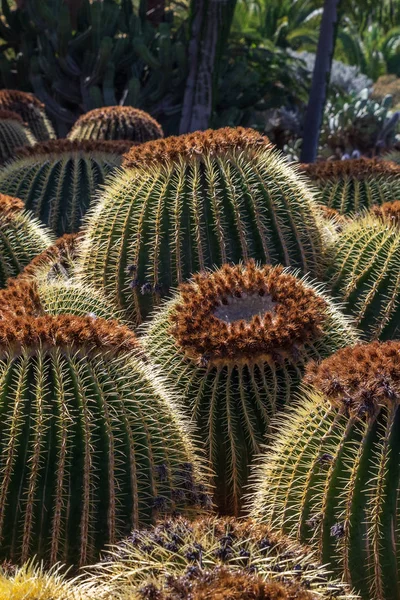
13 135
31 111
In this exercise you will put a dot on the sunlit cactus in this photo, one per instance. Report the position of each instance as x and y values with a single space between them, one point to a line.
210 558
351 185
90 442
388 212
332 476
234 343
31 110
365 273
13 134
116 123
182 204
58 179
22 237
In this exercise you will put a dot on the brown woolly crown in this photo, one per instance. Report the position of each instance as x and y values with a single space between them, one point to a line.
246 313
63 145
388 212
9 115
11 98
10 205
359 168
192 146
62 253
19 300
359 378
129 113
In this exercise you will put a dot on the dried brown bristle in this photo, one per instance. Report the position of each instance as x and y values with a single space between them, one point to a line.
360 377
192 146
8 98
62 251
63 145
331 214
19 299
389 212
107 112
360 168
245 312
9 115
10 205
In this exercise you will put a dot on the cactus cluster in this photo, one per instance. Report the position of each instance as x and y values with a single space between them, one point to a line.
31 111
116 123
13 134
234 343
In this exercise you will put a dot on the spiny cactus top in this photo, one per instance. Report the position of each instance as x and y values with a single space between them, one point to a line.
90 442
364 270
31 110
56 261
332 477
116 123
350 185
22 237
182 204
58 179
13 134
234 343
389 212
210 558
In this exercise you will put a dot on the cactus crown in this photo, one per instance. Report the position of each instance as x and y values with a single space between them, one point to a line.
66 146
389 212
58 257
9 205
245 311
195 146
10 116
15 98
360 168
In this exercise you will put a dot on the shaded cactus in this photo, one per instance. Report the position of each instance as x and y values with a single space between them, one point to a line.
22 237
234 343
210 558
13 134
86 429
332 476
350 185
31 110
116 123
190 202
57 180
365 273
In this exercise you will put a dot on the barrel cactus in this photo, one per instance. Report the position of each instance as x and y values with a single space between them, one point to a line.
388 212
350 185
58 179
90 442
31 110
182 204
22 237
57 261
210 558
365 273
116 123
13 134
234 343
332 476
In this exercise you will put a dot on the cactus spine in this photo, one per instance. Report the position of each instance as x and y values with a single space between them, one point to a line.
332 476
13 134
351 185
190 202
57 180
31 111
234 343
116 123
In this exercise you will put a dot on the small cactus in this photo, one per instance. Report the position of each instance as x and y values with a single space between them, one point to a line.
13 134
332 476
234 343
183 204
31 110
58 179
116 123
351 185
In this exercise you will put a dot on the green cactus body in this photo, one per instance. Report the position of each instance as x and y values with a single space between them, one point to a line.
351 185
22 237
332 476
57 180
210 558
365 272
90 443
186 203
13 135
31 110
116 123
234 343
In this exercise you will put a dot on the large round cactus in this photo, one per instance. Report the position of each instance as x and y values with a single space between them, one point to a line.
186 203
57 180
90 442
116 123
22 237
13 134
210 558
332 476
234 343
365 273
31 110
350 185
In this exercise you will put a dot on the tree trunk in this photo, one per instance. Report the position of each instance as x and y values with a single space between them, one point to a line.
320 81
